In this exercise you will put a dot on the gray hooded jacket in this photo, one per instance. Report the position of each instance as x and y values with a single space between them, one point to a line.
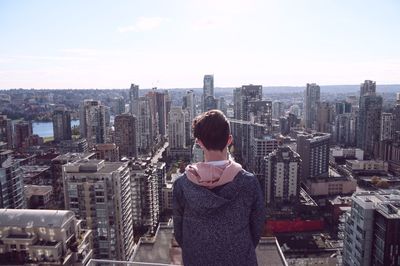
219 226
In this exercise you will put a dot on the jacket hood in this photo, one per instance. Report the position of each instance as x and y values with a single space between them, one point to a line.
205 192
211 176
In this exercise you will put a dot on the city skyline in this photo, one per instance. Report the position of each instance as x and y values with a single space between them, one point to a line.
172 45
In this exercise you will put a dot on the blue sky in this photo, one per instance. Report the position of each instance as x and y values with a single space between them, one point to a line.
172 44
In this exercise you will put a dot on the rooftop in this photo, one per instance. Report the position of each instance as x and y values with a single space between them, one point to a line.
269 252
74 156
162 248
37 190
27 218
93 166
157 249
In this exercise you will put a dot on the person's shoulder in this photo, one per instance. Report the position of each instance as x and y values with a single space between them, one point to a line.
180 180
246 177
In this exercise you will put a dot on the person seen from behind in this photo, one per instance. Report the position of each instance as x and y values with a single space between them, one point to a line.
218 207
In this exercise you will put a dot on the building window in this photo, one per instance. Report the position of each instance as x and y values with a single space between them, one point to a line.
12 246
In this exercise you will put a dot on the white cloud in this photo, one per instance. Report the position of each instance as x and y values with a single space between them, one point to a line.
143 24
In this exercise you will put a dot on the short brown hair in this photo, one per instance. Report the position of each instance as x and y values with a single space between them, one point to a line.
212 128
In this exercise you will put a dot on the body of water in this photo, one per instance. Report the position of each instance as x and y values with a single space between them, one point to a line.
45 129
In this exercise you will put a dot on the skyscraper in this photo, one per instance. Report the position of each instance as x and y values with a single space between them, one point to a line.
176 128
368 129
282 184
241 98
22 130
222 105
104 189
386 126
396 114
210 103
368 88
372 229
314 153
145 128
6 132
93 122
133 99
62 124
208 100
323 123
11 182
118 105
277 109
189 104
126 135
146 188
161 103
208 85
158 110
345 129
312 98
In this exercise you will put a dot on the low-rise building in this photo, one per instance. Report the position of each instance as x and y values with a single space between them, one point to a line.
43 237
367 166
107 151
39 197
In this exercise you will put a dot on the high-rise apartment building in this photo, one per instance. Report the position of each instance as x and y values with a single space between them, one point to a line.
93 122
62 125
176 128
208 100
222 105
145 125
323 122
345 129
247 136
189 104
208 85
99 193
22 130
57 177
161 109
260 111
369 117
126 134
118 106
312 98
396 114
368 88
6 131
261 146
241 98
372 229
386 126
314 153
277 109
342 107
134 99
146 189
11 182
210 103
282 174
